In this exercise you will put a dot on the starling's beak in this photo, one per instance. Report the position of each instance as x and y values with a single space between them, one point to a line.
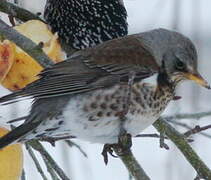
198 79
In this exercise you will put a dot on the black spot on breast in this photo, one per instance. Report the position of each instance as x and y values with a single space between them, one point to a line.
145 96
100 114
107 98
103 106
114 107
60 122
98 97
91 118
108 114
137 99
150 104
93 105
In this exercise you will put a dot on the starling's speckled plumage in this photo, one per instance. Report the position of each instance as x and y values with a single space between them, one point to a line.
86 23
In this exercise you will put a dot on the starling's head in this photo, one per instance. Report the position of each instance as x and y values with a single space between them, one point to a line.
181 63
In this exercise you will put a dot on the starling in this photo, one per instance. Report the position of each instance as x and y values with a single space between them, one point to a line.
86 23
84 96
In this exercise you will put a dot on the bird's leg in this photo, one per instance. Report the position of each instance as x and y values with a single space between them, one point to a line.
124 139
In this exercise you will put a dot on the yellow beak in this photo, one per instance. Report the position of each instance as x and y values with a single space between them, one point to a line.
198 79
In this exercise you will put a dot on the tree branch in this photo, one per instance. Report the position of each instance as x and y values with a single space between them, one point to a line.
179 140
17 12
188 116
196 129
36 162
35 51
46 156
184 125
132 165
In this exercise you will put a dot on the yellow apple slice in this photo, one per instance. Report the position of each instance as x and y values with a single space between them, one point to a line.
24 69
11 160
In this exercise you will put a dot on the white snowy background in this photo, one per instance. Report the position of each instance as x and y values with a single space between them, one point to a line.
189 17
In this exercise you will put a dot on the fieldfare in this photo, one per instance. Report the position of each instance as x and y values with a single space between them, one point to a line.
88 95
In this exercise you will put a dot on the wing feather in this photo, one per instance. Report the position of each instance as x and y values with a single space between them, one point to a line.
93 68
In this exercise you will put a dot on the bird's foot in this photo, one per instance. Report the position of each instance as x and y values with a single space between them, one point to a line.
107 149
122 147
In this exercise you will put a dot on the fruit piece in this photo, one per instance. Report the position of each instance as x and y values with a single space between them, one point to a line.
22 72
11 160
6 58
24 68
38 32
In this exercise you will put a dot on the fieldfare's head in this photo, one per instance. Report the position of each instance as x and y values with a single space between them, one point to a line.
181 63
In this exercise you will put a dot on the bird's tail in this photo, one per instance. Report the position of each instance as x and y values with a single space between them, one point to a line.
17 133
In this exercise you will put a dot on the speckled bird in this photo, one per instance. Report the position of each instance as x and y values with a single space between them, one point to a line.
86 23
84 96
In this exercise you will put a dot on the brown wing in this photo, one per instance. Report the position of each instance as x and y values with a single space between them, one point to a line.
90 69
65 78
122 56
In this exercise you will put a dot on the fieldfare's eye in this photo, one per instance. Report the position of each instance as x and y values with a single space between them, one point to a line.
179 65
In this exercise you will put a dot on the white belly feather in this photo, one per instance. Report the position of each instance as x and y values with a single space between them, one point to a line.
86 125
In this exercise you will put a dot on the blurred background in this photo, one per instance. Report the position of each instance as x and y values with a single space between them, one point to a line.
190 17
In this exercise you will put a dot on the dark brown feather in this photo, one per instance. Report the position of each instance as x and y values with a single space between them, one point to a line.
121 56
110 63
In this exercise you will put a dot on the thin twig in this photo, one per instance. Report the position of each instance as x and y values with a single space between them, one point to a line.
179 140
72 144
149 135
51 171
26 44
188 116
184 125
157 136
36 162
38 147
17 12
196 130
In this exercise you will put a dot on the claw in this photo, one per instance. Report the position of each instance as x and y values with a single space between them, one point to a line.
124 144
107 149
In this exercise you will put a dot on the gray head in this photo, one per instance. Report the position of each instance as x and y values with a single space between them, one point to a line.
176 53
